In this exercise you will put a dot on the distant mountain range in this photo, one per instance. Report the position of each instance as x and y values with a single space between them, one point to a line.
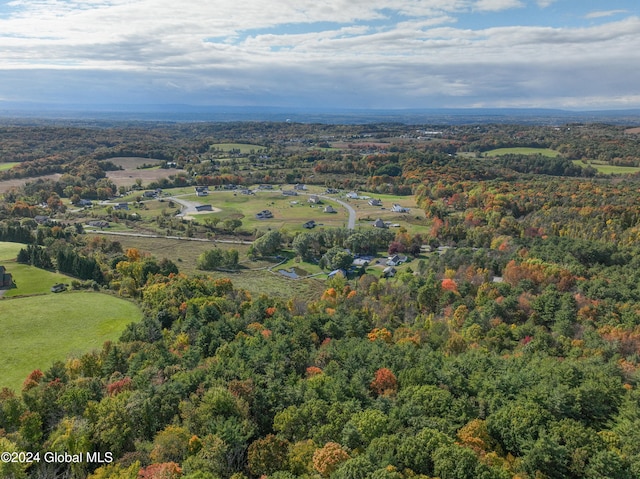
194 113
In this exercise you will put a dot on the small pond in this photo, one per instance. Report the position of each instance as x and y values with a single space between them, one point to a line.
293 273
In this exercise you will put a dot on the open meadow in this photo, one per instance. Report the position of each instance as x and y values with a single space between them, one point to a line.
522 151
8 166
38 330
607 169
28 279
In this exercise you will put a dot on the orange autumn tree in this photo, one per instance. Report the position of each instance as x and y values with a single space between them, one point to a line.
328 458
384 383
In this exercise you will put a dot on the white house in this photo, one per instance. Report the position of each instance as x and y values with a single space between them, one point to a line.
375 202
352 195
396 208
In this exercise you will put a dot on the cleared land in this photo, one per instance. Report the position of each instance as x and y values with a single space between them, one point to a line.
243 148
133 170
29 279
6 185
41 329
522 151
608 169
7 166
289 212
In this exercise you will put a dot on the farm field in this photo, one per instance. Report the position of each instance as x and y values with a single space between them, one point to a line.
127 177
41 329
608 169
522 151
243 148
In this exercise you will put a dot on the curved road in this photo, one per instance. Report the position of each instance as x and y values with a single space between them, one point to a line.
351 224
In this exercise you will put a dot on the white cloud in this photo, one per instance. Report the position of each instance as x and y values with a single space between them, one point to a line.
602 14
545 3
385 53
497 5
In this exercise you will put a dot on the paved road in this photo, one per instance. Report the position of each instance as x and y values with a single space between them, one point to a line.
351 223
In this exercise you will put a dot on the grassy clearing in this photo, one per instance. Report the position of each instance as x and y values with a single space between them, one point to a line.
8 166
41 329
9 251
274 284
132 163
244 148
184 253
29 279
289 212
607 169
522 151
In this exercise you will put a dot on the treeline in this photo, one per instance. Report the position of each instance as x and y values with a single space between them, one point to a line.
68 261
543 165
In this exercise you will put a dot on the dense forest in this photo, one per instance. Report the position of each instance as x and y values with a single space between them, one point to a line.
511 351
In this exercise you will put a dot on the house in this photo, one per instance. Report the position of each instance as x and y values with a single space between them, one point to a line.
329 209
299 187
6 280
379 224
85 203
264 214
202 190
314 200
375 202
246 191
389 272
309 224
121 206
289 193
396 260
396 208
352 195
201 208
331 191
361 262
265 187
336 272
99 224
41 219
58 288
150 194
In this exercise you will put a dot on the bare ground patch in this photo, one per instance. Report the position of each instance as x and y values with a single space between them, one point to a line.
6 185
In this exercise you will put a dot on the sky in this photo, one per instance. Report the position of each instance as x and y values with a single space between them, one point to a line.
360 54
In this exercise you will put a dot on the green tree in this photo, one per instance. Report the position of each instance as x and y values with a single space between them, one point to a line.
267 244
267 455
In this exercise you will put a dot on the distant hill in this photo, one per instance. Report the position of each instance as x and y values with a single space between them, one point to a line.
189 113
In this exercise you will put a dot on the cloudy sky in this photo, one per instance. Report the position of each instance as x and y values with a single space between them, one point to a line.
573 54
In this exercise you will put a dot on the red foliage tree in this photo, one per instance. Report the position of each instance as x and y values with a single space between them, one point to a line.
384 383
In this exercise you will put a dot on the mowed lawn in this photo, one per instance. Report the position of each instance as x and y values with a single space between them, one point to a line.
38 330
28 279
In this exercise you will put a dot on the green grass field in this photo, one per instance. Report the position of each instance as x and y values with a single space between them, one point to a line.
7 166
29 279
522 151
244 148
607 169
289 212
41 329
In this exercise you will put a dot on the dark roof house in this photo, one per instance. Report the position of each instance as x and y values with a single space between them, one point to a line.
6 280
